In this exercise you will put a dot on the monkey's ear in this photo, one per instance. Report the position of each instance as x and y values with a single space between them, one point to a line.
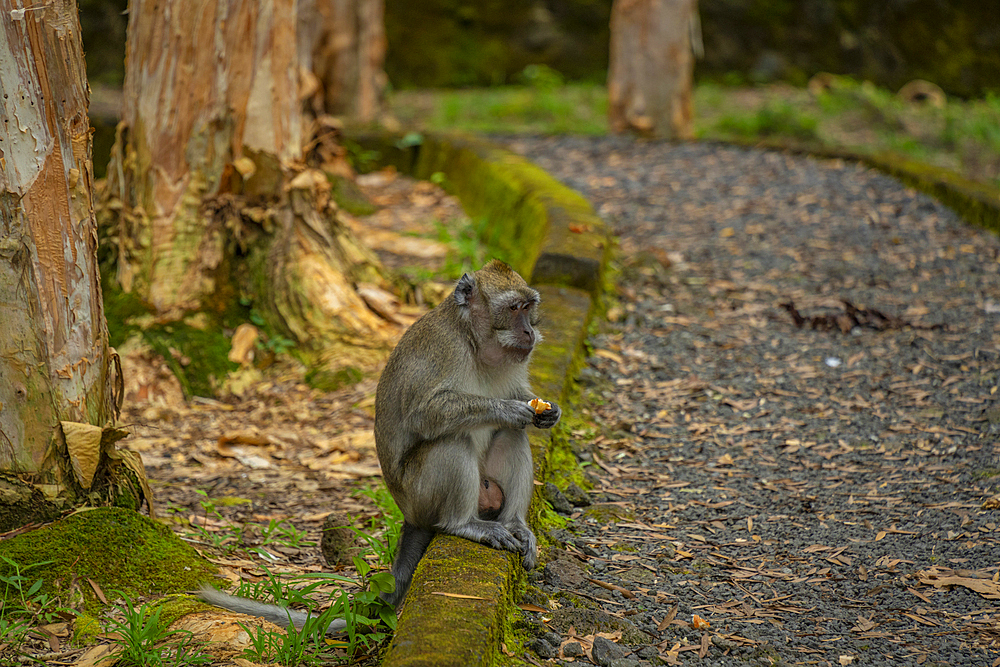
463 290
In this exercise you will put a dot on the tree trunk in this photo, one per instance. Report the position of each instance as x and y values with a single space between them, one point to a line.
347 39
650 67
56 396
206 176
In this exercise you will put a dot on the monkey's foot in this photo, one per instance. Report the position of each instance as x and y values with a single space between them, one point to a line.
529 548
490 533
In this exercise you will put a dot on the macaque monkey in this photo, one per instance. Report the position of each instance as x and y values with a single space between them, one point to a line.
450 412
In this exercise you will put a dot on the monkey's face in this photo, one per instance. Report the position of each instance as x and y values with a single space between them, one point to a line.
501 312
515 317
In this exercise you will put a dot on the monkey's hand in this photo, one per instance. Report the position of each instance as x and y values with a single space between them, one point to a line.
519 414
548 418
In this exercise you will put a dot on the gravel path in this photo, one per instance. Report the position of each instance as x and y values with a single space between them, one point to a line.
793 418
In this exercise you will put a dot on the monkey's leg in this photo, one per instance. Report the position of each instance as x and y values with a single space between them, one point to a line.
413 543
508 461
448 486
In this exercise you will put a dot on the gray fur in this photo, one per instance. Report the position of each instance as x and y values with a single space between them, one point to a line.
413 542
451 408
280 616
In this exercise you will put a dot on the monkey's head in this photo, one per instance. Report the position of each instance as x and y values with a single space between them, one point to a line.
500 310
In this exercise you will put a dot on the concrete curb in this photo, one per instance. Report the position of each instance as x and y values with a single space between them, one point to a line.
552 236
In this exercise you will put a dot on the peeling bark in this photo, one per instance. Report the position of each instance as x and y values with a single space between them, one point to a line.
651 67
206 84
54 341
54 357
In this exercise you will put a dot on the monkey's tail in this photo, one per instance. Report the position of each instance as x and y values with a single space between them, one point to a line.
413 543
280 616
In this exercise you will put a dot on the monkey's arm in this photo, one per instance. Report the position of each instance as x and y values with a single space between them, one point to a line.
280 616
449 411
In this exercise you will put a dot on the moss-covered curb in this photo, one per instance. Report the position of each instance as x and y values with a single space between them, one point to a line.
976 203
546 231
437 628
552 236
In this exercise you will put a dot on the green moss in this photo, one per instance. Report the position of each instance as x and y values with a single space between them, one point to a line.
120 550
563 465
514 222
544 519
123 311
230 501
437 629
608 514
196 350
178 606
325 379
199 358
86 628
349 196
514 635
534 595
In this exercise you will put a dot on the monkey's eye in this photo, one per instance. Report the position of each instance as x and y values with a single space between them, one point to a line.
513 306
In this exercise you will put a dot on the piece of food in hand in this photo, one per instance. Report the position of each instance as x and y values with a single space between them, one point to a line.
539 406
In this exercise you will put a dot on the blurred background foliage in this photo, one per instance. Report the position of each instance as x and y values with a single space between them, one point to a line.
457 43
539 66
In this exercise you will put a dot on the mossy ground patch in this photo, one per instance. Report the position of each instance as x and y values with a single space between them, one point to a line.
117 549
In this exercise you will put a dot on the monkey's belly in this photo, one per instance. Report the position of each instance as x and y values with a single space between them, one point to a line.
481 438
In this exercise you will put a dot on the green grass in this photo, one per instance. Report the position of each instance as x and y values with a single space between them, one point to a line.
144 640
774 119
568 109
963 136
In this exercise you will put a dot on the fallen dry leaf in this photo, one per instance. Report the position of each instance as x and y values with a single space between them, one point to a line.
244 339
864 624
97 655
988 588
457 595
667 619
